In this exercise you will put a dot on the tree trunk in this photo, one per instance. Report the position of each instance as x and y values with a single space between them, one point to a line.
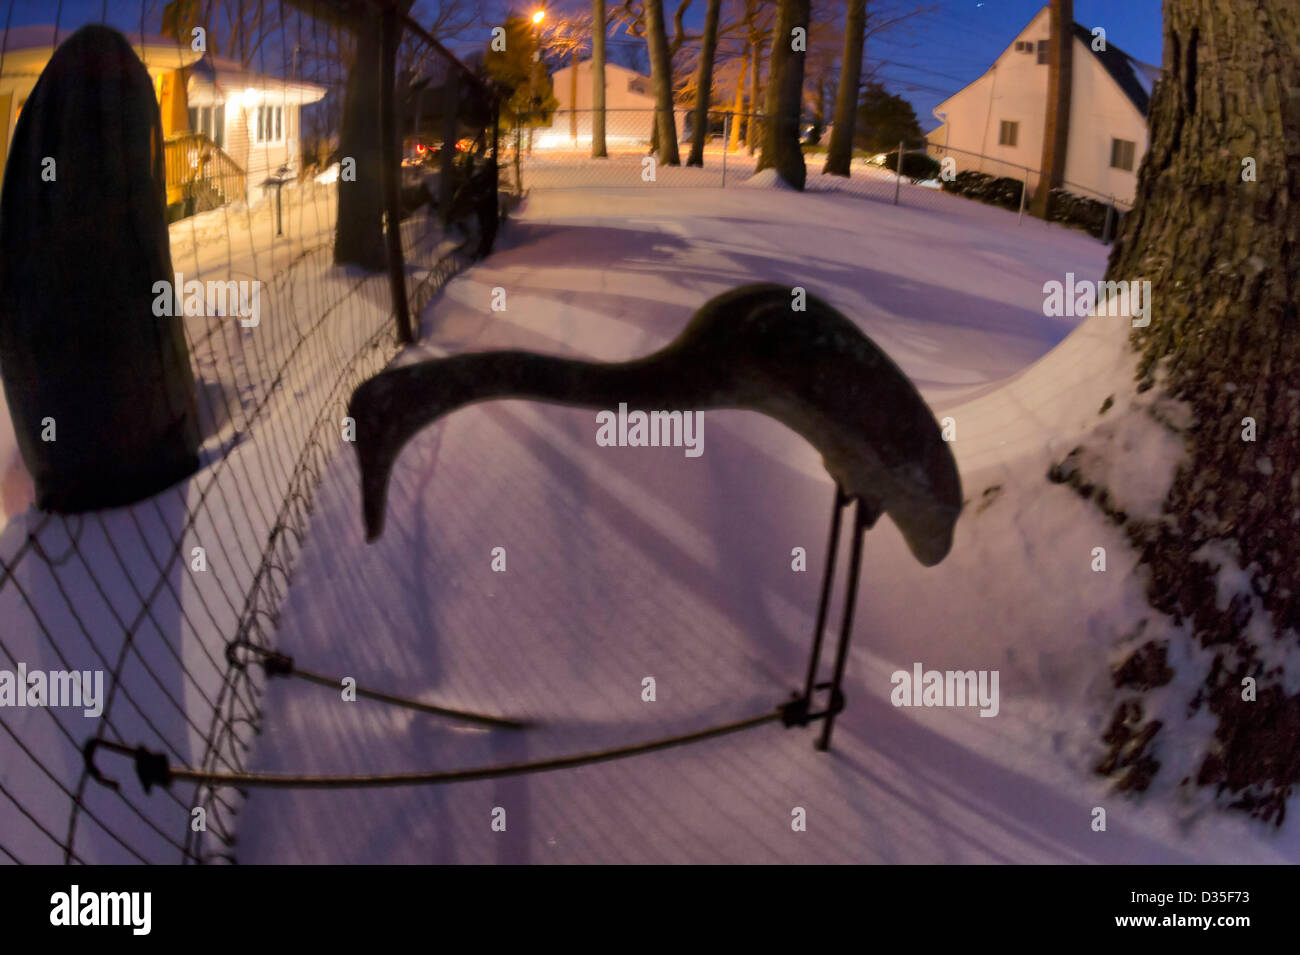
661 76
754 124
704 84
819 112
781 149
598 30
573 101
839 154
1056 131
738 109
1223 255
359 234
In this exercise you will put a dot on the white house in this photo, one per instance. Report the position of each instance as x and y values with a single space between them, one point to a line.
629 109
1002 115
224 133
253 118
27 50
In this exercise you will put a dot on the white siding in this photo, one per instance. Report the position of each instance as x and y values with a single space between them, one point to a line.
260 160
1099 112
1015 89
628 108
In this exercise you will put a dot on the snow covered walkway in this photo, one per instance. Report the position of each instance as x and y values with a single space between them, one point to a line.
624 563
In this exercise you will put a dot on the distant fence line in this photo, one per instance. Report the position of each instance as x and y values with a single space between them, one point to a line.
561 143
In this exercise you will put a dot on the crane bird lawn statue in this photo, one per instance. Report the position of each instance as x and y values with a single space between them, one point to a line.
813 370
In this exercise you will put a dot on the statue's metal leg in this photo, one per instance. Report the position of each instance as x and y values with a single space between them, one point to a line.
832 548
862 519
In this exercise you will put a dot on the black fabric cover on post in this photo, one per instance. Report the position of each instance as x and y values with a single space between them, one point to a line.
79 256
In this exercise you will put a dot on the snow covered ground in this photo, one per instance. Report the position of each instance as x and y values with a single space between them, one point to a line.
115 590
626 563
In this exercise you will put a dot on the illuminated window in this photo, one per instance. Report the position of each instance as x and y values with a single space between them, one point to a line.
270 124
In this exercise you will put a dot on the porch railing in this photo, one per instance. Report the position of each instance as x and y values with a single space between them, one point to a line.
199 169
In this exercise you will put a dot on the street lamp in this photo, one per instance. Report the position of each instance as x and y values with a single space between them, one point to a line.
539 16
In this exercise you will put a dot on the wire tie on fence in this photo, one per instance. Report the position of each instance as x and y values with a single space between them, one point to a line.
798 711
152 769
273 662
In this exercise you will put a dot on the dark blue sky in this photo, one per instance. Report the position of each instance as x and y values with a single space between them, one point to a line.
926 59
937 54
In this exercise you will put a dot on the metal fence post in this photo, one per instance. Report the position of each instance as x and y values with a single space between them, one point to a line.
726 140
898 173
1024 189
392 171
1105 231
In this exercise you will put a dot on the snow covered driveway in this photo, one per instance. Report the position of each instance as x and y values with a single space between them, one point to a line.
626 563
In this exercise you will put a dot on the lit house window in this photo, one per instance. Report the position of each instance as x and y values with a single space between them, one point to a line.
1007 133
1121 154
210 121
270 124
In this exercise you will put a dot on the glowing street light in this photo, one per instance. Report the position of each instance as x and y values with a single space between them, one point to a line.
539 16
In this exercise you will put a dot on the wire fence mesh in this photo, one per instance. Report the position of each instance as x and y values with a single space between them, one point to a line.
556 152
149 596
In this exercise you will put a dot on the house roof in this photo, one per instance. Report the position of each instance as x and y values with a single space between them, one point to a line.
609 67
221 78
1132 76
27 49
1120 66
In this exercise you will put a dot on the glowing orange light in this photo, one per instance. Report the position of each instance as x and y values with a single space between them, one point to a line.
539 16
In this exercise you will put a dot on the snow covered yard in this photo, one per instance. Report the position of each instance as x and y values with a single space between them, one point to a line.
116 591
624 563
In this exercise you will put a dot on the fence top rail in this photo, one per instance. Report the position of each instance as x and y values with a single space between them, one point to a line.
420 33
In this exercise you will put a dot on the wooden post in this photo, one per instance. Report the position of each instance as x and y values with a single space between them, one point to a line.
1056 128
391 172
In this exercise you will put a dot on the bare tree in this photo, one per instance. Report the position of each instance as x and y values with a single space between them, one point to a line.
756 23
661 77
781 149
598 35
633 16
859 24
738 106
839 154
704 84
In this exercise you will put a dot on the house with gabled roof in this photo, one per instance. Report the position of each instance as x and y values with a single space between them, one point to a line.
226 129
996 124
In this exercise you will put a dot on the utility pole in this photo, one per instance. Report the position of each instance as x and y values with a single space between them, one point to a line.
1056 130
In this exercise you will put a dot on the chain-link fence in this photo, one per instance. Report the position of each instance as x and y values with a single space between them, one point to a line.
290 137
558 151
